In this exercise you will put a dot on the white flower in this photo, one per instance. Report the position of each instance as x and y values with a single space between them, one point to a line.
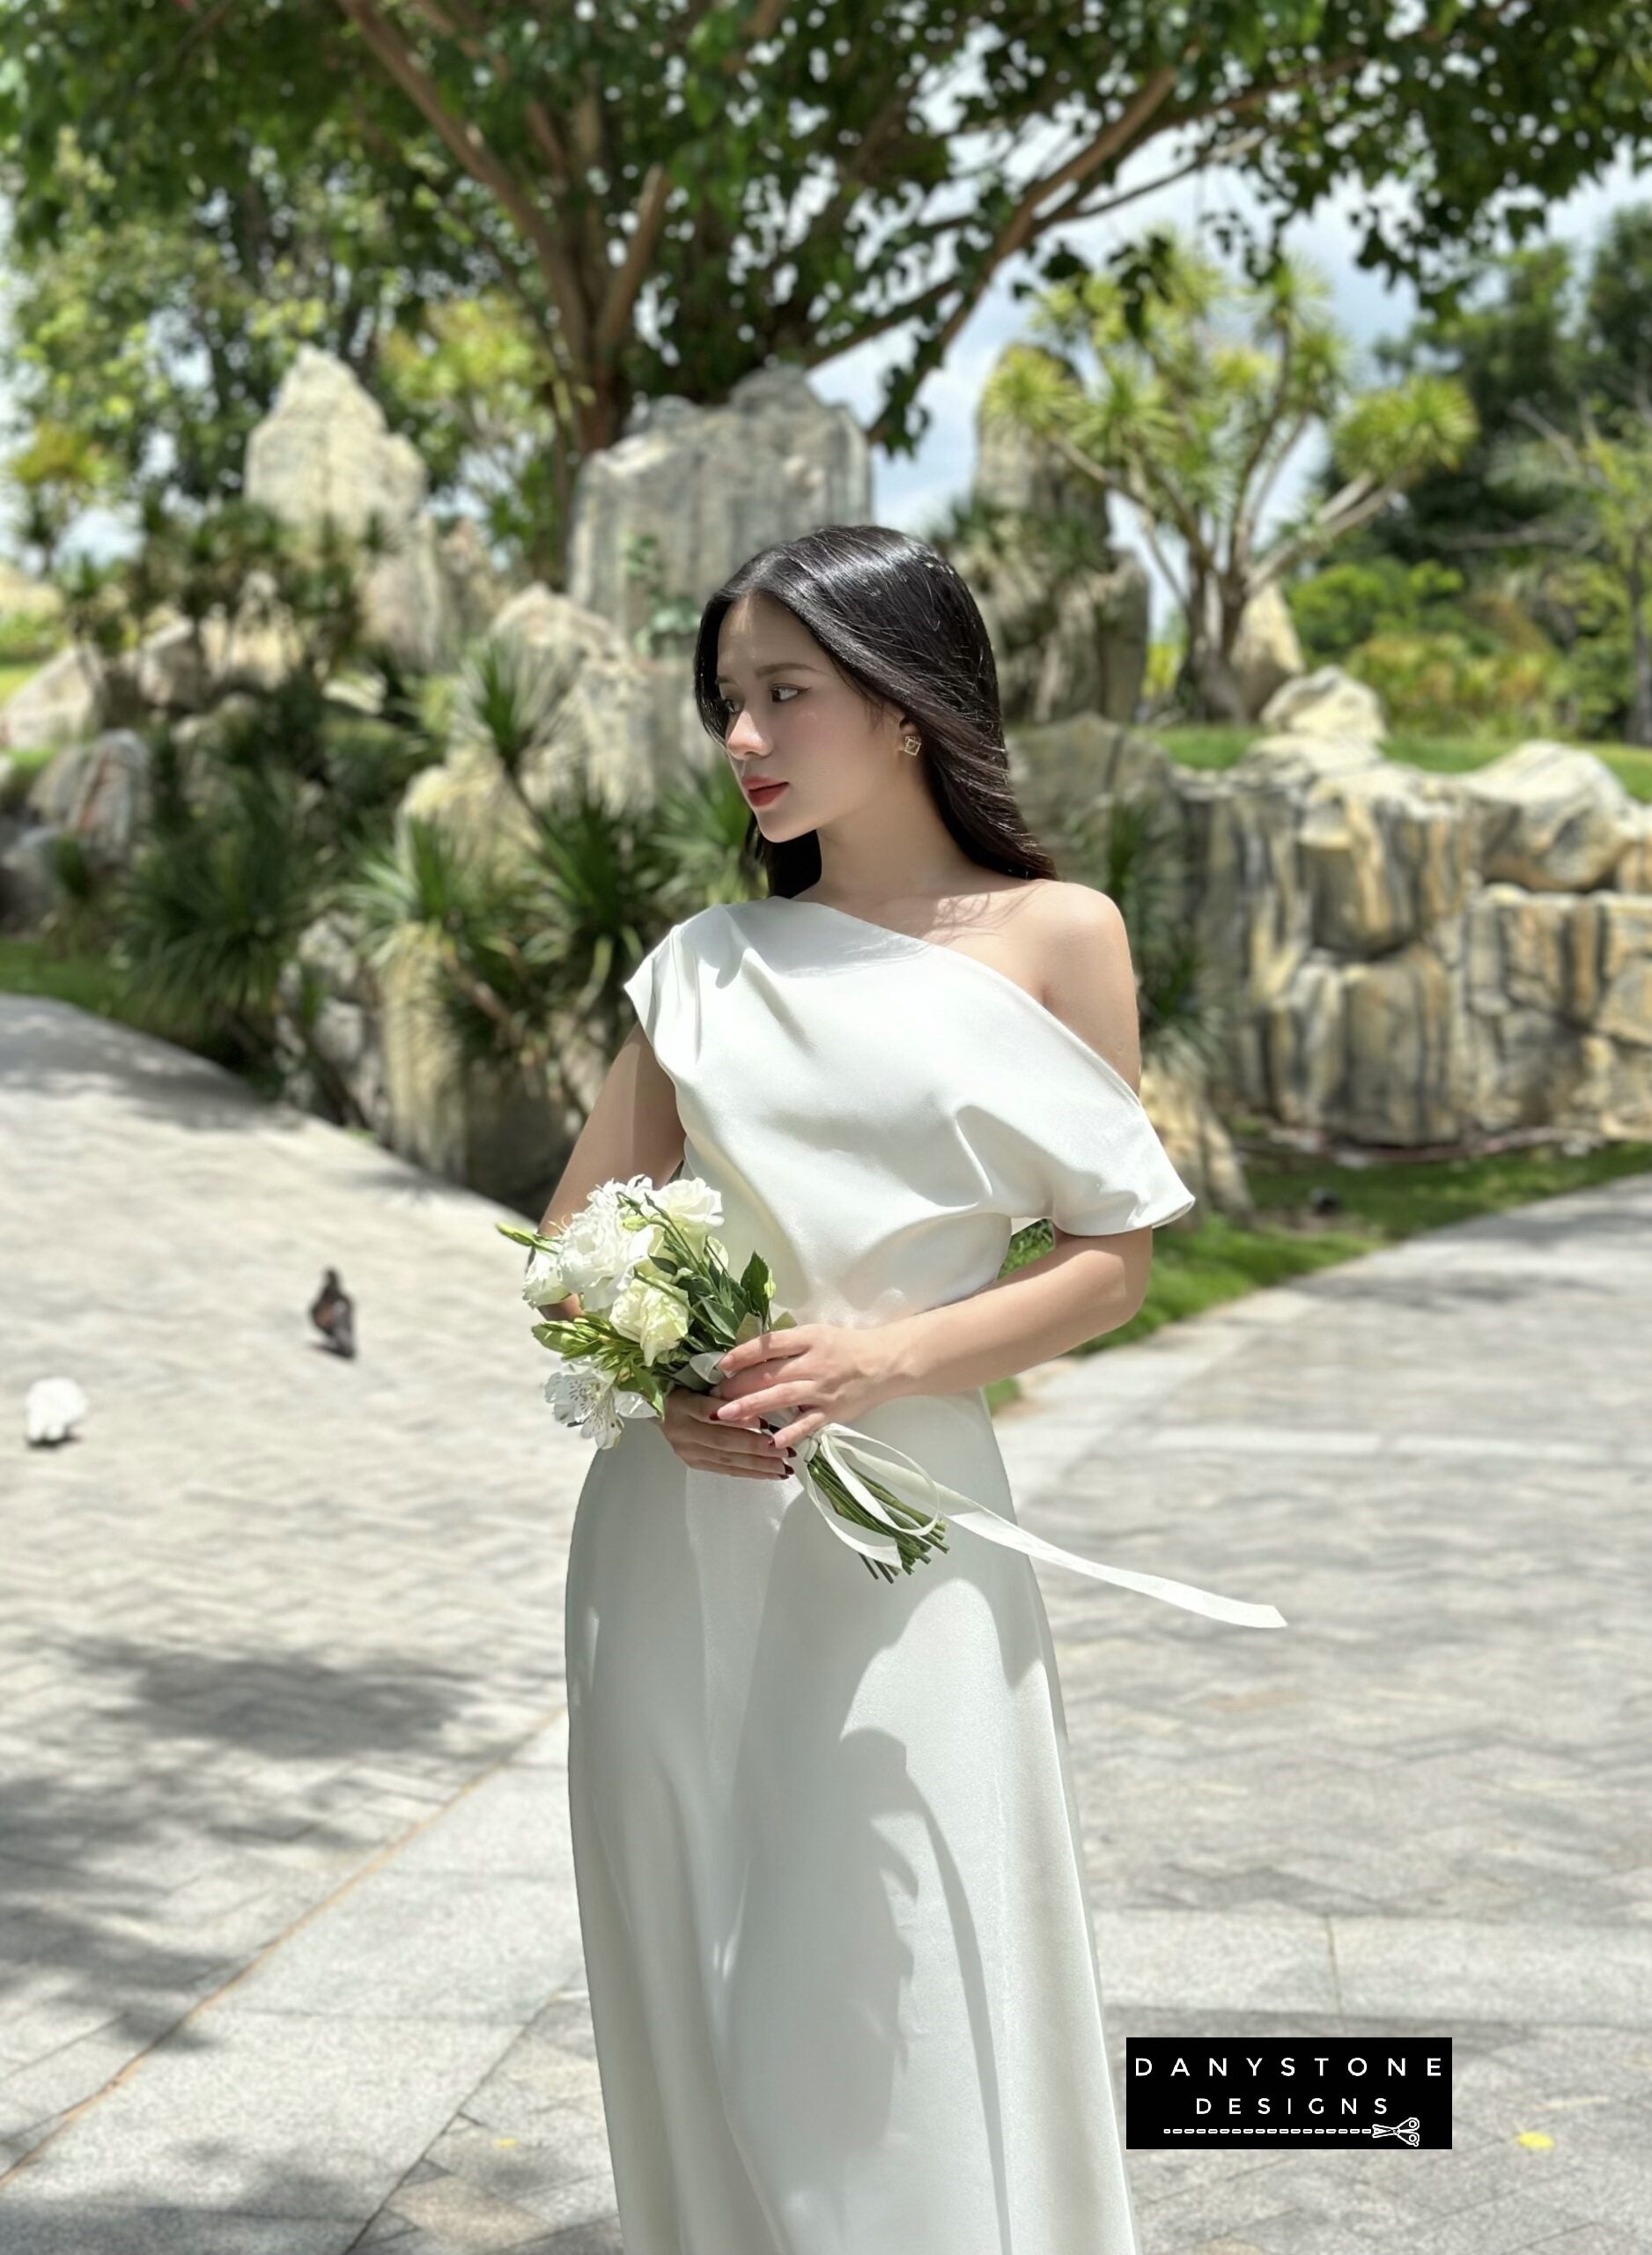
693 1205
651 1313
583 1394
543 1281
596 1252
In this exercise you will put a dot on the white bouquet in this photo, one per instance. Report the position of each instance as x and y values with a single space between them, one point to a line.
661 1306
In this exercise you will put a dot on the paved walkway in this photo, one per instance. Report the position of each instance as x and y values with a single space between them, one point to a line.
289 1957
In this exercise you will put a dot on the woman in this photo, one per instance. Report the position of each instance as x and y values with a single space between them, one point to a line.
842 1975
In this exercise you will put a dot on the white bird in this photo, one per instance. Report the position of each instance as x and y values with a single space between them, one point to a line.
56 1406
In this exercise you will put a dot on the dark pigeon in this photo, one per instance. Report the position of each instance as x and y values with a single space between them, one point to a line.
333 1313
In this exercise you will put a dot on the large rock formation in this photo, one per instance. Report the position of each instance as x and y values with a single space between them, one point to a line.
1410 959
605 720
61 704
709 487
325 450
96 793
1551 818
1328 703
492 1126
1069 620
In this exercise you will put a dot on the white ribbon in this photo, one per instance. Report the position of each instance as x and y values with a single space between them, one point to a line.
847 1450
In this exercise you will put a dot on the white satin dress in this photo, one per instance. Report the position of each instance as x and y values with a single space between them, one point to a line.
842 1979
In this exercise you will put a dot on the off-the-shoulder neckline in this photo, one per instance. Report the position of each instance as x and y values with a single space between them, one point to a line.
1002 979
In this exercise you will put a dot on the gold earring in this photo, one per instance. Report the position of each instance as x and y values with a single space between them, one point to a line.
911 745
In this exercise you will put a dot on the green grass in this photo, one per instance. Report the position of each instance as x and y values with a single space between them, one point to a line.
32 966
21 773
1381 1203
13 677
1211 749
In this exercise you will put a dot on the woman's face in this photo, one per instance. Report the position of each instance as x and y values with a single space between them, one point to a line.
790 717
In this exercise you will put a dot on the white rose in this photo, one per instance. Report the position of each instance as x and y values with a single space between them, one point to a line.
693 1205
651 1313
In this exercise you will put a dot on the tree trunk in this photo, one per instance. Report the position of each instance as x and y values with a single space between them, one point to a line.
1207 681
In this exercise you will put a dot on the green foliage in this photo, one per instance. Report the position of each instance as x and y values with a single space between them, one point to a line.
1542 340
58 473
1378 1202
234 563
1440 682
1203 387
677 195
472 384
160 326
535 928
1598 484
1512 345
213 906
1343 605
1446 660
28 638
672 618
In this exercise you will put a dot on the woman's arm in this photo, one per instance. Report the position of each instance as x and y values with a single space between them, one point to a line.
1081 1288
632 1129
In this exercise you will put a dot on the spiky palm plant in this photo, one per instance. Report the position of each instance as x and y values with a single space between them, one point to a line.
213 906
528 942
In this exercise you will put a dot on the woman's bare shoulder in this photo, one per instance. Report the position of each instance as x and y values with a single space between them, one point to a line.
1086 974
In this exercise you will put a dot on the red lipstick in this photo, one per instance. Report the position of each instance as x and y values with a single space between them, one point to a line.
762 793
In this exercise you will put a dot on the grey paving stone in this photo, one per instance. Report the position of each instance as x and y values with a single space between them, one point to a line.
124 2228
275 2114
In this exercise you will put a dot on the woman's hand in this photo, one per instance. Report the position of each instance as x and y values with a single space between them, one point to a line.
708 1446
815 1373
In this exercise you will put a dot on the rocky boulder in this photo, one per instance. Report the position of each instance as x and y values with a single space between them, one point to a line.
325 450
61 704
1266 653
1069 639
1551 817
603 715
1064 650
709 487
97 793
1328 703
338 1067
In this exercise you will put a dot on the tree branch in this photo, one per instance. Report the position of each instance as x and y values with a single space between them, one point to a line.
467 145
1024 224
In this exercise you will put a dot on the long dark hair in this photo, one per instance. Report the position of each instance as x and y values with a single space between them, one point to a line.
898 622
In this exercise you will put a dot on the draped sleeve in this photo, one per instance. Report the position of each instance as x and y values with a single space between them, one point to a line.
831 1064
665 990
1063 1135
652 985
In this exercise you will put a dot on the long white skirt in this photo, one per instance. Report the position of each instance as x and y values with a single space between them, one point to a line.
843 1977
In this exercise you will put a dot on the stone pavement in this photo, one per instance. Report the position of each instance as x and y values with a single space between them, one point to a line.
289 1957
